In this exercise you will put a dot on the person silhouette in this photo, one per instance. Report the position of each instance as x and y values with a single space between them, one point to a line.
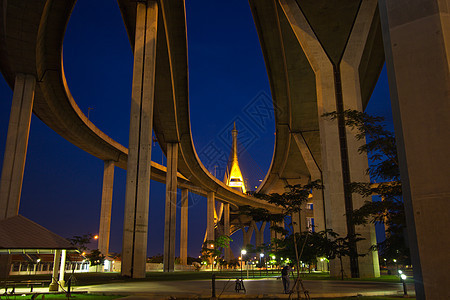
285 277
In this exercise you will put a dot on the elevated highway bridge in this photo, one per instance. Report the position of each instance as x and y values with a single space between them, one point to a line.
321 56
31 57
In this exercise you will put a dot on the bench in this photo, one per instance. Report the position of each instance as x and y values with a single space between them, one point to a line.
28 283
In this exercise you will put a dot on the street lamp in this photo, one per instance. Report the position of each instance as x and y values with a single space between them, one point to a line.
243 252
261 255
240 262
273 258
403 278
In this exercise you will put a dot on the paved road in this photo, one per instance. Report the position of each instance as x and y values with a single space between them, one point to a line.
225 288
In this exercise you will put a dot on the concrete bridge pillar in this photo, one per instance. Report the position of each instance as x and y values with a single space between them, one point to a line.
105 212
171 208
338 89
352 99
16 145
298 222
184 226
210 205
259 234
135 231
416 38
247 234
274 234
315 174
226 229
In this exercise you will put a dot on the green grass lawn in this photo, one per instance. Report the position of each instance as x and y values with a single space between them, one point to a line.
72 296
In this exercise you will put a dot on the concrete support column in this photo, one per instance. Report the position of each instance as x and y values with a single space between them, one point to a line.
247 234
316 174
184 226
259 234
16 145
135 231
274 234
105 212
298 222
62 268
340 161
171 208
416 38
318 210
210 217
226 229
352 99
54 284
334 201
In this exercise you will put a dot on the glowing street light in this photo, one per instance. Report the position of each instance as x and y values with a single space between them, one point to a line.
261 255
241 258
403 278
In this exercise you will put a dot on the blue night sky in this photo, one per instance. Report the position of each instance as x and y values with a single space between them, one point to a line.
62 184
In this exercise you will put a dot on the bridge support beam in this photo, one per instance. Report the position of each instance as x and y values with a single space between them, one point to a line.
210 206
416 38
341 162
315 174
259 234
171 208
352 99
105 212
299 221
226 229
16 145
247 234
135 231
274 234
184 226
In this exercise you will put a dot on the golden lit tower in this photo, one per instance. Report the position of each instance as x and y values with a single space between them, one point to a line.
233 175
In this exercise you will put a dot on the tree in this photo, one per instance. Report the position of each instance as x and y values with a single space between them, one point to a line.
385 174
82 241
212 249
290 203
342 246
95 258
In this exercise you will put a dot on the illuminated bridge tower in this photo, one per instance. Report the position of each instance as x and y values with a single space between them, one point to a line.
233 178
233 174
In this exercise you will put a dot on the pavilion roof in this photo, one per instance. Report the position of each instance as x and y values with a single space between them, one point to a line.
21 235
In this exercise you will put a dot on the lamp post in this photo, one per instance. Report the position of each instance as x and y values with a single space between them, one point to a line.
403 278
261 255
396 264
243 252
240 259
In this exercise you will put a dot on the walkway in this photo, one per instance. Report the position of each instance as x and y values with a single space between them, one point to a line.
267 288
